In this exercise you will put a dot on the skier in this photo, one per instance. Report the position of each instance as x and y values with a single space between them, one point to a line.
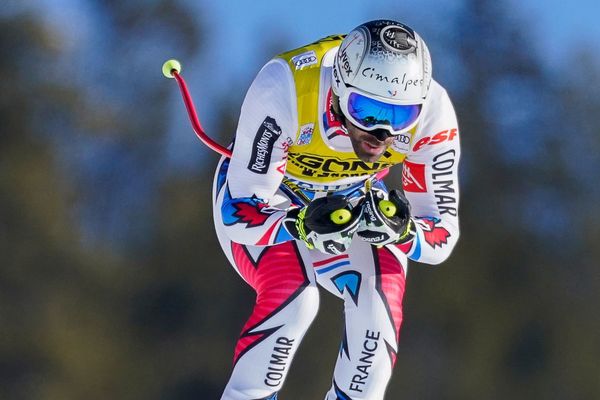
302 204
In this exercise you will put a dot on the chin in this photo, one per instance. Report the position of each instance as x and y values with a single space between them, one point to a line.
365 153
370 158
366 156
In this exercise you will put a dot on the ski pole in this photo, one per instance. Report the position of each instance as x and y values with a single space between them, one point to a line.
171 69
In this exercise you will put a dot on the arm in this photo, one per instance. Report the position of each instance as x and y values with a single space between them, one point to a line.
430 182
266 128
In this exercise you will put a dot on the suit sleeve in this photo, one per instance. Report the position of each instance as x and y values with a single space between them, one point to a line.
266 128
430 182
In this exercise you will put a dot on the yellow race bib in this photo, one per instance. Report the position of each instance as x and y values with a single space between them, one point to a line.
322 152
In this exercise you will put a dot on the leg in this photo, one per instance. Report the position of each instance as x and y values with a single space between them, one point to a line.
286 304
371 282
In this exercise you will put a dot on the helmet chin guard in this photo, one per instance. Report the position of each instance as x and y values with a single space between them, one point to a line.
384 60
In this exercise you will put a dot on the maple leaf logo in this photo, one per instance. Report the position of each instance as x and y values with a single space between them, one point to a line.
252 213
434 235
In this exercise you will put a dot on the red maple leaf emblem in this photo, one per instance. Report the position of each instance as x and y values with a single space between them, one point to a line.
434 235
253 214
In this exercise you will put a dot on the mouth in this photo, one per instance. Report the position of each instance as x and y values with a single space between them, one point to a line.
373 148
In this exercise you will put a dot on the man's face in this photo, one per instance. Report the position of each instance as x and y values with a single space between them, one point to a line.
366 145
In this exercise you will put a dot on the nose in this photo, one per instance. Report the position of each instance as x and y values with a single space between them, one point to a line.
380 134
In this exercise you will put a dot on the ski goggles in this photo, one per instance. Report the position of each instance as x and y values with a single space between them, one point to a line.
370 114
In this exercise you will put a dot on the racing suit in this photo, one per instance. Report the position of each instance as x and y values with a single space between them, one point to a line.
289 149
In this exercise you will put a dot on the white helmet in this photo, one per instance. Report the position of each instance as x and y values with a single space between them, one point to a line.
379 66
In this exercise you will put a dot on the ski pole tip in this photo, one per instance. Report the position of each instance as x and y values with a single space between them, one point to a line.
169 66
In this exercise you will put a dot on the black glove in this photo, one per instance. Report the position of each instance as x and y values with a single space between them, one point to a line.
385 221
326 224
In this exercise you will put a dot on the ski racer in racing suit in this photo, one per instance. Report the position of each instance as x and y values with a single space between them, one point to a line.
301 203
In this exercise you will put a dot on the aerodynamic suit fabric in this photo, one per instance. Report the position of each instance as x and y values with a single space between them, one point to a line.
288 150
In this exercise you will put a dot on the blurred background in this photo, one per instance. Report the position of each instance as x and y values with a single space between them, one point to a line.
112 283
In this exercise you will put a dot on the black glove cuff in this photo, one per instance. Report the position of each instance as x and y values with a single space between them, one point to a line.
408 234
289 222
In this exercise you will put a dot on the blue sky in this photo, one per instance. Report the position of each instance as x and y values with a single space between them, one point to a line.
556 26
236 32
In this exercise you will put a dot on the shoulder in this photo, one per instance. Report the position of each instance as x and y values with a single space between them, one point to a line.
274 72
438 103
272 88
437 94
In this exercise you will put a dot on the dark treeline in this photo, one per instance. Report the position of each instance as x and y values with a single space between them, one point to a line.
112 283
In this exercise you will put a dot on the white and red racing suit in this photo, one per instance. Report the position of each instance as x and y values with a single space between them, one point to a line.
288 150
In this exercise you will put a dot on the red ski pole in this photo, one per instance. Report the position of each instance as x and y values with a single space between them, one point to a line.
172 69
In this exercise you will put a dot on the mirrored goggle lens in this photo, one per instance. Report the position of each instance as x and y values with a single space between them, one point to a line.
369 112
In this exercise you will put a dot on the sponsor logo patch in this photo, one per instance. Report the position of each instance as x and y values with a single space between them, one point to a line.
444 185
370 345
401 143
413 177
265 139
445 135
279 361
405 81
305 60
306 134
320 166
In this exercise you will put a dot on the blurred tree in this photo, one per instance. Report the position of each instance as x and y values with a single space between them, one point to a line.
81 141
